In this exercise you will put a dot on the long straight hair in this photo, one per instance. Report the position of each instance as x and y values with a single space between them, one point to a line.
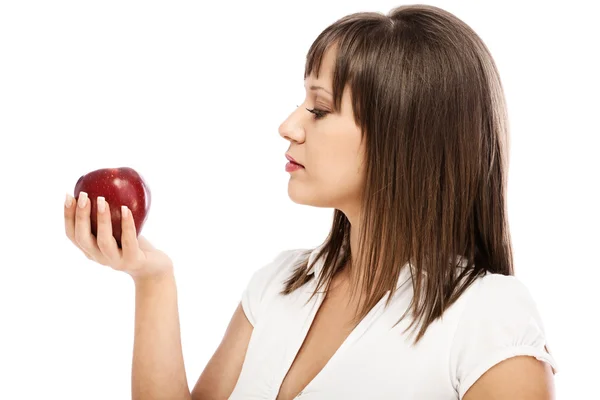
428 98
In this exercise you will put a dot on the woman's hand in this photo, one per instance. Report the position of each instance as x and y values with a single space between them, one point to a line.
136 257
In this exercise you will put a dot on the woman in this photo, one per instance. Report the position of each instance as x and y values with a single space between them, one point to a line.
404 133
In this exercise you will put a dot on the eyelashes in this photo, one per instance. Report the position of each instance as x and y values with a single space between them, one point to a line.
318 114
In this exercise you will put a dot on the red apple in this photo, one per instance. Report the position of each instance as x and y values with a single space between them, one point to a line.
119 186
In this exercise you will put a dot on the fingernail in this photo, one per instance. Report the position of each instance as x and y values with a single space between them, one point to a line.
68 201
82 199
124 211
100 202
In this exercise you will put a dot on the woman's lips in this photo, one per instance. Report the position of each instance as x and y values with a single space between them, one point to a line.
292 160
292 166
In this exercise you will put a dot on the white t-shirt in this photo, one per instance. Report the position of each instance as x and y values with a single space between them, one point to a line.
494 319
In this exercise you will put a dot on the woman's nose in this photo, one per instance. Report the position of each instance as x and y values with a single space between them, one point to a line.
292 128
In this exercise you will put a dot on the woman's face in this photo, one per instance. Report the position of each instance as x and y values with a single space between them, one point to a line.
327 145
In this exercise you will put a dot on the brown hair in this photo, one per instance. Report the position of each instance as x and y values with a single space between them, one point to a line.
429 101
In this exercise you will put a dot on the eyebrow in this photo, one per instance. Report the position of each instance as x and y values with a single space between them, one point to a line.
313 87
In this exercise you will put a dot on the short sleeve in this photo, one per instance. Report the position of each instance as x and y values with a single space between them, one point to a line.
265 281
500 321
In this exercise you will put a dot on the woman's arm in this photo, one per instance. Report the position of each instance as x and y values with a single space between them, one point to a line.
158 366
158 370
220 376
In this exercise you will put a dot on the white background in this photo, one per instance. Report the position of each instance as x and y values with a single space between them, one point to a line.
191 94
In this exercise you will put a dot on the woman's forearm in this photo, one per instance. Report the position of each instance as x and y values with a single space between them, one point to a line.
158 370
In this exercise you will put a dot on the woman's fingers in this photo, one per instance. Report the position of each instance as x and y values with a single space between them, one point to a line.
104 237
70 209
83 232
70 218
129 242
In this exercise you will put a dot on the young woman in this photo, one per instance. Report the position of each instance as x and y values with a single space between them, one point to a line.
404 133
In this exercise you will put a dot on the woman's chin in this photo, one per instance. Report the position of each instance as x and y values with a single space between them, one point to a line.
298 194
302 196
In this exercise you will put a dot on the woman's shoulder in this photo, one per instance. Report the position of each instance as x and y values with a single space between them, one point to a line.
500 320
267 280
502 293
282 264
499 300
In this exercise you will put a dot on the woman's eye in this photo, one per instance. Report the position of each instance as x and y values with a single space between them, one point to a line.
318 113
